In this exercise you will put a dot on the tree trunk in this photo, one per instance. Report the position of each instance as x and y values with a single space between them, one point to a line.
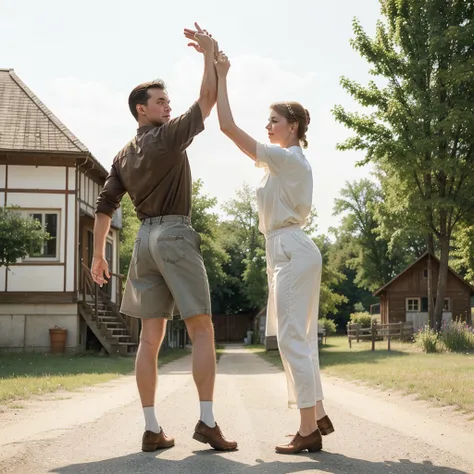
430 248
442 277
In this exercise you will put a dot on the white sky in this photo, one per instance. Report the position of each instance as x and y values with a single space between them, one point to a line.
83 58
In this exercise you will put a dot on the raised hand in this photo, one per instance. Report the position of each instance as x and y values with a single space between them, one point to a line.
203 40
222 64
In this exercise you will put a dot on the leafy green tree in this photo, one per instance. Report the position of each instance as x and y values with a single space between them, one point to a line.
418 128
18 235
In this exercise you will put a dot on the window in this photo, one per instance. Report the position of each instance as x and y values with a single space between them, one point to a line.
48 249
413 304
447 305
425 273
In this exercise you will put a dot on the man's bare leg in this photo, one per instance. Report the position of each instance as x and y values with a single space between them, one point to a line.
201 332
146 368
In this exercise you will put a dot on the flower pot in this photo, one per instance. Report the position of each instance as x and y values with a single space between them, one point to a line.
58 337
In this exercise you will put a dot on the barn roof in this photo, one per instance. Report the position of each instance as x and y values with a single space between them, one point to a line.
425 255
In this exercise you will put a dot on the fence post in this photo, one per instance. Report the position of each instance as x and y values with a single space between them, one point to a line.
402 331
349 335
358 332
374 332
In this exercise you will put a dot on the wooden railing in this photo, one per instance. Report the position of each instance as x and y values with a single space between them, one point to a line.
92 291
377 332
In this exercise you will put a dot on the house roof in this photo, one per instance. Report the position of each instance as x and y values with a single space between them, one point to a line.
425 255
26 124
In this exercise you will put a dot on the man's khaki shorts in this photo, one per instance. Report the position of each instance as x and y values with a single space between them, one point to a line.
166 269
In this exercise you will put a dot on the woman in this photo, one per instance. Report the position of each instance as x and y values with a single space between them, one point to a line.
294 262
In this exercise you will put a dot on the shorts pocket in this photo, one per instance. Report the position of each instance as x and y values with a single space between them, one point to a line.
136 250
171 248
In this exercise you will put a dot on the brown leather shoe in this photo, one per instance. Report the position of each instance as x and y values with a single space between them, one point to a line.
153 441
312 443
214 437
325 426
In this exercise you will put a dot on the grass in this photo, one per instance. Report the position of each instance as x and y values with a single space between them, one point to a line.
25 375
445 379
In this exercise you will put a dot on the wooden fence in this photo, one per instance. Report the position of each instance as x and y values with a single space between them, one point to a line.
379 332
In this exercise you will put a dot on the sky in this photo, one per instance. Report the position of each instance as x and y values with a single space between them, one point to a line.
82 59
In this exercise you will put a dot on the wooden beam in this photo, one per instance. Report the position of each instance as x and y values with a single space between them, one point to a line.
66 224
38 297
37 191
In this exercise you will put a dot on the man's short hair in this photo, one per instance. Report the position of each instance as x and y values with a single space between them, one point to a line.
139 95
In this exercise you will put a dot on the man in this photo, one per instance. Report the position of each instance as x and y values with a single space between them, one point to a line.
166 266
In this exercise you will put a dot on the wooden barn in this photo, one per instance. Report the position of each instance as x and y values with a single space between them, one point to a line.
405 297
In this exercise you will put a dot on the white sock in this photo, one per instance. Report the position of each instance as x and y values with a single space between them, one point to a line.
151 423
207 415
320 413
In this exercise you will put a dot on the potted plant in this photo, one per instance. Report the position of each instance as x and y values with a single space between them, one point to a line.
58 338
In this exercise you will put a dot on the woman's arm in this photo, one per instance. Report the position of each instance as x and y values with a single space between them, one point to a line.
244 141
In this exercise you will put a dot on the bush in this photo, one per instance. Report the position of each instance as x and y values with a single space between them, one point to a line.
364 319
329 325
428 340
457 336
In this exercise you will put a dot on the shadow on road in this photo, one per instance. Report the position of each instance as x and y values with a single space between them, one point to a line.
242 365
210 462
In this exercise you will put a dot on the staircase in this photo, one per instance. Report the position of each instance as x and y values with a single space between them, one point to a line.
103 317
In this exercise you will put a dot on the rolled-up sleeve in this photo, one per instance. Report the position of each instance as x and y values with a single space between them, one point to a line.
271 156
111 195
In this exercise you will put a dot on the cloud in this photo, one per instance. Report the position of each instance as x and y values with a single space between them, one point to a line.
98 114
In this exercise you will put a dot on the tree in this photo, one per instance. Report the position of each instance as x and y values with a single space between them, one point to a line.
18 235
463 252
128 233
362 244
419 130
329 300
246 246
206 223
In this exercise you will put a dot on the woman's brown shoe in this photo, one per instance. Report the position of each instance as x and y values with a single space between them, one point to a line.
312 443
325 426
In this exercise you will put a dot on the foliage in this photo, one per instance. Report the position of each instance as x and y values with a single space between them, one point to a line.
128 233
364 319
427 339
418 123
18 235
329 325
457 336
330 300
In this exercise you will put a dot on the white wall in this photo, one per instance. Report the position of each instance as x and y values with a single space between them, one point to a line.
26 326
36 177
420 320
26 277
72 242
37 277
89 190
2 176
